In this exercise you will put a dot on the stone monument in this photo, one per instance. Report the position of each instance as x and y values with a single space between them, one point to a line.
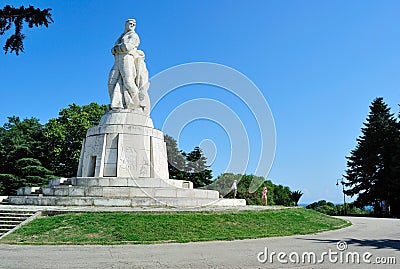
125 144
123 160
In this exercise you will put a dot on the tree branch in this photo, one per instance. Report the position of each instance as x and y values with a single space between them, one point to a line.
17 16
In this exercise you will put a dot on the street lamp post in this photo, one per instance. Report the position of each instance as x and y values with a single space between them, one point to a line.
344 195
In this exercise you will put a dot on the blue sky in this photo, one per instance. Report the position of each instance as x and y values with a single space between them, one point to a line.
318 64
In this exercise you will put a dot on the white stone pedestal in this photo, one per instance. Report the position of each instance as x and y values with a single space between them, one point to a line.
125 144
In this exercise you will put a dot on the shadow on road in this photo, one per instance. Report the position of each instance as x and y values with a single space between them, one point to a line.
378 244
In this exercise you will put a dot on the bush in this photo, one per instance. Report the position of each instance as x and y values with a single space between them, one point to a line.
327 209
2 189
10 184
282 195
330 209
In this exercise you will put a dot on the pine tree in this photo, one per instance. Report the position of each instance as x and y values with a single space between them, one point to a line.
197 170
187 166
22 155
10 16
371 170
176 159
396 174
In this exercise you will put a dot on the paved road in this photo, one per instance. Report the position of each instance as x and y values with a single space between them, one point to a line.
380 237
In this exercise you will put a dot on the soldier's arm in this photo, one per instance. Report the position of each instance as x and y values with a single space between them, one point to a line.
131 44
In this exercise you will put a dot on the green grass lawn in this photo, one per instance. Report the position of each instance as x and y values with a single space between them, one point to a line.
144 228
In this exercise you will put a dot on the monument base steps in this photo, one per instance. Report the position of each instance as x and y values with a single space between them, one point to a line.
124 202
123 192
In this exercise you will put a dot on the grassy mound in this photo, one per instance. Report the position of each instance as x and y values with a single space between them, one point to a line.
145 228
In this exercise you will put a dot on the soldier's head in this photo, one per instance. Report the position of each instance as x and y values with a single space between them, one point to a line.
130 25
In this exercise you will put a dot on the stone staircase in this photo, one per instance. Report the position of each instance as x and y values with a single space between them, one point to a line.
12 219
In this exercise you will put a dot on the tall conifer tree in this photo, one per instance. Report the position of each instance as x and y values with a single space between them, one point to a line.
190 166
197 169
371 172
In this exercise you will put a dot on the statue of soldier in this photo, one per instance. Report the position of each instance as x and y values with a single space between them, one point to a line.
128 79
